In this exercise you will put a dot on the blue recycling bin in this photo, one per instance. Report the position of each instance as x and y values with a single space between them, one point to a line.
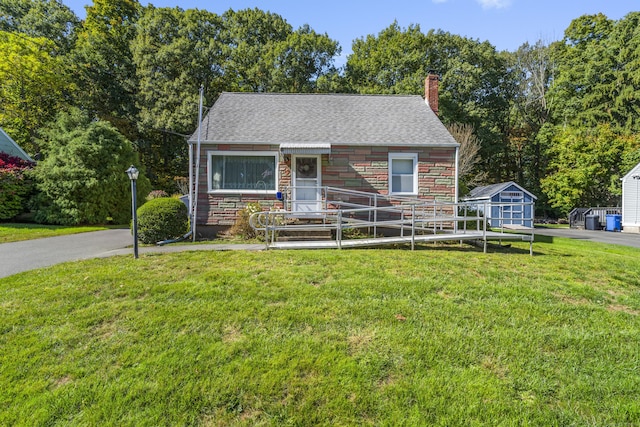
614 222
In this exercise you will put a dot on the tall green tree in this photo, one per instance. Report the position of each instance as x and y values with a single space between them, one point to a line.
82 178
595 110
34 85
104 65
250 35
50 19
300 60
624 87
585 66
394 61
586 166
533 71
475 85
174 52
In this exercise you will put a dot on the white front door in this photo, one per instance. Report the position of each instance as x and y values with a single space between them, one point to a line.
307 194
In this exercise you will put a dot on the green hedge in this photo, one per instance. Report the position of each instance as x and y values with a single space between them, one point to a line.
162 219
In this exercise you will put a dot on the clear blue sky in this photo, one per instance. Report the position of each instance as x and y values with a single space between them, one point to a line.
506 24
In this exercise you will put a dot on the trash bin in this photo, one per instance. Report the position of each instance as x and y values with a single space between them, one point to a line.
614 222
592 222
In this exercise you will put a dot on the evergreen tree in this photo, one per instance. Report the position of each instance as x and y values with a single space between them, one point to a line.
82 178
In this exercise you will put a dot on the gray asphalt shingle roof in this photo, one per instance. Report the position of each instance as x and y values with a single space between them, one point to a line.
272 118
488 191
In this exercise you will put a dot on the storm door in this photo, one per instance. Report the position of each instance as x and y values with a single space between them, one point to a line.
307 194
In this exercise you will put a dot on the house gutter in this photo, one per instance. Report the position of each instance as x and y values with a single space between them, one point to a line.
337 144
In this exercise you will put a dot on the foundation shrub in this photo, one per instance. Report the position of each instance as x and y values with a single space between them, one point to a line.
161 219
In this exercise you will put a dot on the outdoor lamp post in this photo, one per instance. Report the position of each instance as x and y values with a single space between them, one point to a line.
133 176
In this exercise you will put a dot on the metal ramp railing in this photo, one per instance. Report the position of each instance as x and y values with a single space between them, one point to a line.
386 219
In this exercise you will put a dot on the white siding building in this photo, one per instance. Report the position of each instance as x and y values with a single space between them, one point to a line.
631 201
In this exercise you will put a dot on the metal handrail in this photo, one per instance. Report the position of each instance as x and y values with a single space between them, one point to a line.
408 214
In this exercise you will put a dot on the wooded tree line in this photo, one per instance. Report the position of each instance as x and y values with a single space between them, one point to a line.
559 118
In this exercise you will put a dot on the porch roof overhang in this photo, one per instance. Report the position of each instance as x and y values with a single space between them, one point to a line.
305 148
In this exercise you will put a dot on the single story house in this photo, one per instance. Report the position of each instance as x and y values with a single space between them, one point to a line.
631 201
512 204
254 146
10 147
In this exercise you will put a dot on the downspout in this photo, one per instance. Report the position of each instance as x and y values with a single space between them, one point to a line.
456 195
197 169
191 216
456 177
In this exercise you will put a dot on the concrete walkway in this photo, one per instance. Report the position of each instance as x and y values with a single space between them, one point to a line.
27 255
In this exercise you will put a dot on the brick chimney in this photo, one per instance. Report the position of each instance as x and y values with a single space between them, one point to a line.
431 91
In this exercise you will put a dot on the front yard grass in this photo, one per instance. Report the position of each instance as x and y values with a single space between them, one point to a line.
15 232
436 336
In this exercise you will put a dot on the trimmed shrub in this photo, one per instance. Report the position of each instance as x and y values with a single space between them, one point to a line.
162 219
15 187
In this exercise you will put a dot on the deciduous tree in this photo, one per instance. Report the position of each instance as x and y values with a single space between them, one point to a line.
468 156
104 65
585 167
34 85
475 84
50 19
300 60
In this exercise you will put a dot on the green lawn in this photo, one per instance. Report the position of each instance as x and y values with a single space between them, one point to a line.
15 232
439 336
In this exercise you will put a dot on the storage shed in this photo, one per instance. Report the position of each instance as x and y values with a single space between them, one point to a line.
631 201
512 204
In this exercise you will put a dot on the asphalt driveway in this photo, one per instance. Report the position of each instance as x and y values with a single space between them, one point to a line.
614 238
27 255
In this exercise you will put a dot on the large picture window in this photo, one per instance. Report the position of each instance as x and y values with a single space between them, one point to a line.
241 171
403 173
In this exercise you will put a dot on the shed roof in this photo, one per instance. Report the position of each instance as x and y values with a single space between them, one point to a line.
339 119
9 146
488 191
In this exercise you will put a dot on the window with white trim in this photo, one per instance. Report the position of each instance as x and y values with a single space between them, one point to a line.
242 171
403 173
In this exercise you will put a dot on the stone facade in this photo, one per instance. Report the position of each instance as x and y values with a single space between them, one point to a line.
361 168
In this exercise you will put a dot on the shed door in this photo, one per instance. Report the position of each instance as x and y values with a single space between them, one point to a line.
307 194
512 213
